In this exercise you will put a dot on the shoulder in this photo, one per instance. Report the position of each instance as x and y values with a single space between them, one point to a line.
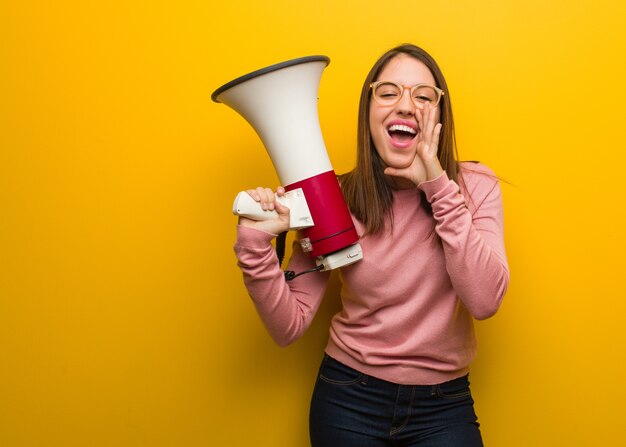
474 174
476 182
475 169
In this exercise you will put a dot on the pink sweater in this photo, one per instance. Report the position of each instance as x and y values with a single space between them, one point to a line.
407 307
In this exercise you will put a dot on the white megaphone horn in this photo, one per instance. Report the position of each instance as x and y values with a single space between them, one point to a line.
280 102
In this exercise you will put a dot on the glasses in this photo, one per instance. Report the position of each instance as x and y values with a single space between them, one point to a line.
388 93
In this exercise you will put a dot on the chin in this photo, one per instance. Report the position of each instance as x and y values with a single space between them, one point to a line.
398 162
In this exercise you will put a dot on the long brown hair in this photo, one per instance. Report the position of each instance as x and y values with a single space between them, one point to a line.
367 193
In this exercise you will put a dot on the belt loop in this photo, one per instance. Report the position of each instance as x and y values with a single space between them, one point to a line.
364 379
433 390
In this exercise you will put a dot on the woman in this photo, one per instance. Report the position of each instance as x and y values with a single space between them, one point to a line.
395 371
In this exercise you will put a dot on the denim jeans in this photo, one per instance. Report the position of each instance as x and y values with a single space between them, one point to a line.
351 409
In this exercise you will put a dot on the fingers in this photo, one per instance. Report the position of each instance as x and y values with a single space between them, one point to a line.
281 209
430 127
266 197
436 135
267 200
390 171
429 118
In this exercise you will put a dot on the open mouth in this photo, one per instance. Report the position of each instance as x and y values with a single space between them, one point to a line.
401 133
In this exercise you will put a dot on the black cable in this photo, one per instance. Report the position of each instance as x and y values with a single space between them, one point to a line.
290 274
280 252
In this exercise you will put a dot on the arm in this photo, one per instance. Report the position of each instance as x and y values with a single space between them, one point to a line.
286 308
473 242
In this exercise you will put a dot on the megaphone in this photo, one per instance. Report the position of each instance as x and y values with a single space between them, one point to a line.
280 102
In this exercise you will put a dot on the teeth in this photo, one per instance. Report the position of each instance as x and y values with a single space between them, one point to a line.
402 128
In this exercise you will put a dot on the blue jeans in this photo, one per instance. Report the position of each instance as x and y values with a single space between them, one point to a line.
351 409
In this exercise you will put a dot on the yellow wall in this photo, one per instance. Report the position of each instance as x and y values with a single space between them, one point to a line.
123 318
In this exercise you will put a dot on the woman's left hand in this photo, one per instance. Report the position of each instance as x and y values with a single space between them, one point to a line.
426 164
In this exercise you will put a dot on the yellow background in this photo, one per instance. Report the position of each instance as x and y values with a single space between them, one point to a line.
123 317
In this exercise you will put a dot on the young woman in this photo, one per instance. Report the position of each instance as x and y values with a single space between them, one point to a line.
395 370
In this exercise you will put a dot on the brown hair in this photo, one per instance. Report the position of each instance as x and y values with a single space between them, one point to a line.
367 193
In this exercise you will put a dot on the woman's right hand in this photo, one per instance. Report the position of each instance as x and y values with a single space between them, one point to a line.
266 198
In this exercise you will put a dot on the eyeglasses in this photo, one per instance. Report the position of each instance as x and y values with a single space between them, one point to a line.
388 93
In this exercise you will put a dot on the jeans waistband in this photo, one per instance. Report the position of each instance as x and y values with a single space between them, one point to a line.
427 389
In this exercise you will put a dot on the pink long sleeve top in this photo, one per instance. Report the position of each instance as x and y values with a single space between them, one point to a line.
408 306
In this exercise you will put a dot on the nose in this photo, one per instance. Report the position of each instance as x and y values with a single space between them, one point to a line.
405 105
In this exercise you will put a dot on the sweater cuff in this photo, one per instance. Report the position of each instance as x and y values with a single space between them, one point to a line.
434 186
253 238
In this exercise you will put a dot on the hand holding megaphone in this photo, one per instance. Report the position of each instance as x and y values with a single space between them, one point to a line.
263 209
254 205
